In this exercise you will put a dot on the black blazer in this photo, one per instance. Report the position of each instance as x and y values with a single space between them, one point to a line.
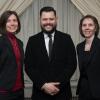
8 66
59 69
92 68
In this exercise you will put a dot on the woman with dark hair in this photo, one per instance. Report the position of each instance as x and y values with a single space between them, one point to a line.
11 58
89 59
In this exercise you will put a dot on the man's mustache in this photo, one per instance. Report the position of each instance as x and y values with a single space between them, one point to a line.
48 25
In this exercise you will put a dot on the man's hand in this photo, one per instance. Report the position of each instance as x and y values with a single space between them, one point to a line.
51 88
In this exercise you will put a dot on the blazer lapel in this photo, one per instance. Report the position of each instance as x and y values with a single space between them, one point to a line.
55 42
8 44
92 50
80 52
94 44
42 46
93 47
44 51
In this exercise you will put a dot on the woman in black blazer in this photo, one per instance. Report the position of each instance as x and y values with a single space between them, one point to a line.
11 58
89 59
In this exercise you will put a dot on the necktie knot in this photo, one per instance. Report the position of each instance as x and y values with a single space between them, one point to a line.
49 35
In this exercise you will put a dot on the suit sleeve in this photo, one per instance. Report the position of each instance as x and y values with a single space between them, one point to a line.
70 63
30 65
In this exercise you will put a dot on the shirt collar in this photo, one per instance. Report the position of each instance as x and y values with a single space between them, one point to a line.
46 36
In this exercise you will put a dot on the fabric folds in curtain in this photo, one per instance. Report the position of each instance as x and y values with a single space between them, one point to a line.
17 5
88 7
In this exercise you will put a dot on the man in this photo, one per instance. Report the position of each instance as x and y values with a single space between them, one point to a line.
50 65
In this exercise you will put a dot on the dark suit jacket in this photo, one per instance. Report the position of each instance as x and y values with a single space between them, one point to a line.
8 66
92 68
59 69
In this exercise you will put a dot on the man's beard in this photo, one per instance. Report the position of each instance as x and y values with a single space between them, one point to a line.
48 32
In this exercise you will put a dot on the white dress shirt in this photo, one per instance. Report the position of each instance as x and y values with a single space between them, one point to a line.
46 38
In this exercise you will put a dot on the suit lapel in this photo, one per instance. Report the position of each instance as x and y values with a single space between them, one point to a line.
55 42
42 46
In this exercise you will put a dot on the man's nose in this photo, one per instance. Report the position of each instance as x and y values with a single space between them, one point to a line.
48 21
